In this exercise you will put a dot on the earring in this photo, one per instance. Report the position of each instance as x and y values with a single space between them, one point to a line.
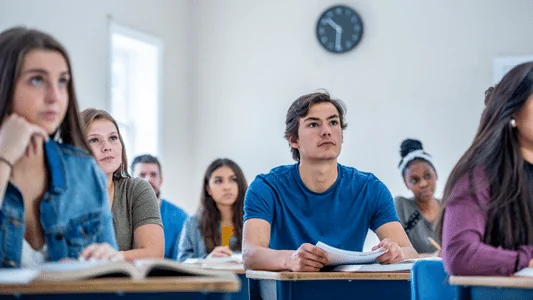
513 122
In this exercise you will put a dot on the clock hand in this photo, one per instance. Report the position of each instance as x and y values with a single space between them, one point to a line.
334 25
338 40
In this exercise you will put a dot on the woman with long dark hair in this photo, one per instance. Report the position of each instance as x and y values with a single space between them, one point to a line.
221 209
53 206
487 222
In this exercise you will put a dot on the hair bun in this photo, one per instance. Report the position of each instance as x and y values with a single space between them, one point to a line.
410 145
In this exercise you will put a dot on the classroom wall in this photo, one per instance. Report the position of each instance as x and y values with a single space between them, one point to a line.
82 26
420 71
233 67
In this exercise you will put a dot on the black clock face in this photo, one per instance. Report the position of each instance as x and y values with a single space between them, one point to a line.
339 29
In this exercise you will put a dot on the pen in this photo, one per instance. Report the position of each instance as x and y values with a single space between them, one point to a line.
435 244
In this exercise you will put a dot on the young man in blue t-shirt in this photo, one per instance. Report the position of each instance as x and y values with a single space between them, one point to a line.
148 167
290 209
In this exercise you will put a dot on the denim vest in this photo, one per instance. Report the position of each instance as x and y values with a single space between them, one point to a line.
74 211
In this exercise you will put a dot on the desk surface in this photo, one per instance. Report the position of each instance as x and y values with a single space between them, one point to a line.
327 275
229 283
493 281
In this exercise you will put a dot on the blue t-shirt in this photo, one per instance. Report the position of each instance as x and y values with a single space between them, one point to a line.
339 216
173 219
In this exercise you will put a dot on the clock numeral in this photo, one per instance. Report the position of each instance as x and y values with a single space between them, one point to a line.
323 22
322 30
355 37
357 27
324 39
338 11
348 13
330 46
348 44
330 14
353 19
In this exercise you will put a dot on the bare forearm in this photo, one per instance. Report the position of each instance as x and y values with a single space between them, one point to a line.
262 258
409 252
142 253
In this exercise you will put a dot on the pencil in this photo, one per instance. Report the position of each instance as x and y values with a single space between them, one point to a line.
435 244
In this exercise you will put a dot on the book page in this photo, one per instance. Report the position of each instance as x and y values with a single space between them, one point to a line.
169 267
398 267
344 257
17 276
77 270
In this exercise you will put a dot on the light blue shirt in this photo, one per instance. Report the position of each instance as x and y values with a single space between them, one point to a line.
74 211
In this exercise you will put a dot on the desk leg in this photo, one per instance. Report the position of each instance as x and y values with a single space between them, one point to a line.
463 293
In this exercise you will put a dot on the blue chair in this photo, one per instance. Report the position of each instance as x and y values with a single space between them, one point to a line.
430 281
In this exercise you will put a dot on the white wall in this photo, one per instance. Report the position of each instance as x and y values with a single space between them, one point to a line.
420 71
82 26
232 68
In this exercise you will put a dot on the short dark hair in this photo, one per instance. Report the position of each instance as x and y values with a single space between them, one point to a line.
300 108
146 159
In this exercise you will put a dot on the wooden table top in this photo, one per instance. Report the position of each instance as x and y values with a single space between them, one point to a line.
229 283
327 275
495 281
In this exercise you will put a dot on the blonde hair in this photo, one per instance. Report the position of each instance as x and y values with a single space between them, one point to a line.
89 116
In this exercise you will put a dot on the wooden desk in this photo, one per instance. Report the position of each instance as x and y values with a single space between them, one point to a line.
328 285
238 269
493 287
112 288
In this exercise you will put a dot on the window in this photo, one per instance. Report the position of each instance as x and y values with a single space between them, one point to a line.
135 66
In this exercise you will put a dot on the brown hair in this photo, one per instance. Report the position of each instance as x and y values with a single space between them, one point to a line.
89 116
15 43
496 151
300 108
209 215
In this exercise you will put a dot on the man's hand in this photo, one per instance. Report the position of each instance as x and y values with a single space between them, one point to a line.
394 253
307 258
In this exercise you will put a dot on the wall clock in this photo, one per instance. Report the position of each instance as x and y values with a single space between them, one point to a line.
339 29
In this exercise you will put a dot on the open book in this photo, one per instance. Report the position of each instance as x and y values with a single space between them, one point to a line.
344 257
79 270
235 258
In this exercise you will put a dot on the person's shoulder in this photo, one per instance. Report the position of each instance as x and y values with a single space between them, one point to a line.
401 201
172 208
275 175
359 176
70 150
193 220
133 186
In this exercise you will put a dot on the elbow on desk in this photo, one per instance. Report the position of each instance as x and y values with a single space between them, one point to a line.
247 259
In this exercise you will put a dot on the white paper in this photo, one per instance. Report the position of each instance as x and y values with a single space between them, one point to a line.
17 276
343 257
398 267
71 265
525 272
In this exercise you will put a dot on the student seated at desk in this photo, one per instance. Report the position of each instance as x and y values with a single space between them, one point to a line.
54 205
487 224
317 199
136 215
418 214
148 168
216 231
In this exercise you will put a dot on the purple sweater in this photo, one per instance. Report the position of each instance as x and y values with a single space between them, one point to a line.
463 249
